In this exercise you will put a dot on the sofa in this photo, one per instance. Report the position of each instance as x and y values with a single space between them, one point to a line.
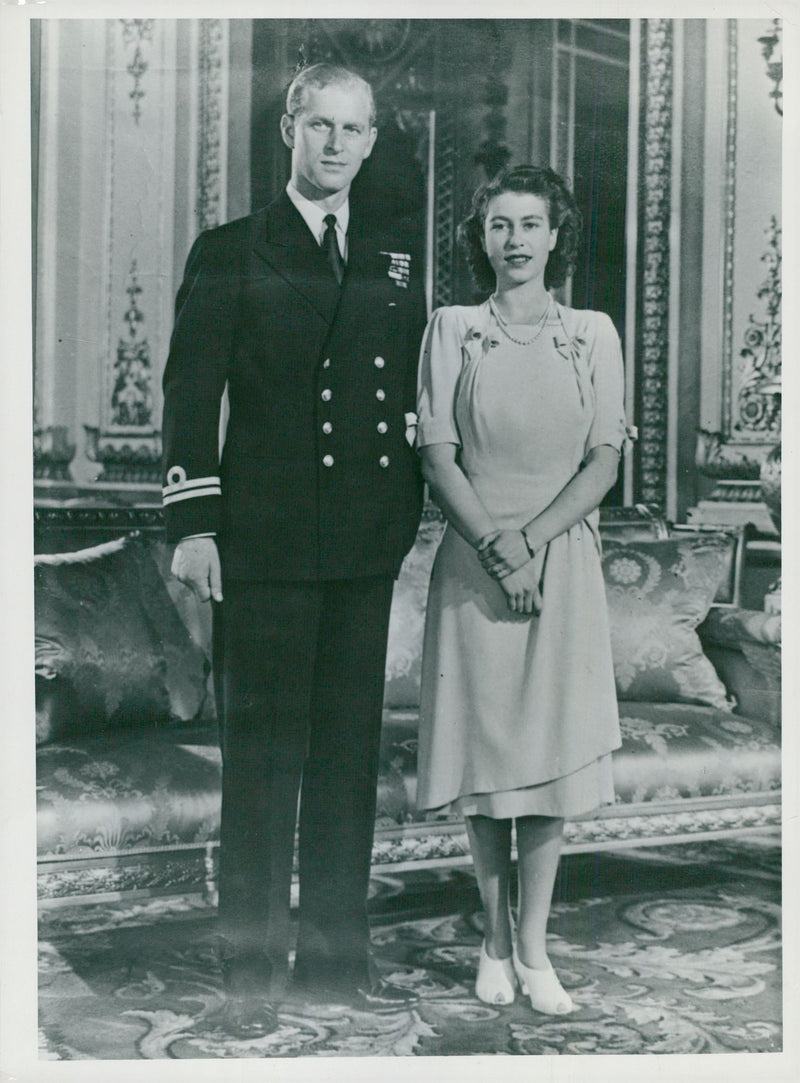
128 765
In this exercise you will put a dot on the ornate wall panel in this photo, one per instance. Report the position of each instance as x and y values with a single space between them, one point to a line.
742 339
133 163
139 212
752 332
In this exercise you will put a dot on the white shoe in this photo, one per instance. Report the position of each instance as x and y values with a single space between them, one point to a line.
543 988
495 983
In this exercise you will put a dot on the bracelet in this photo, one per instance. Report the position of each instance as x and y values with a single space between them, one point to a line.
527 543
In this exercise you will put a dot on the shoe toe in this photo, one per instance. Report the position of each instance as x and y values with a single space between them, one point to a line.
244 1018
384 997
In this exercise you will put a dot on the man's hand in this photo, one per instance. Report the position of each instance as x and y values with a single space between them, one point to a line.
196 563
503 553
523 588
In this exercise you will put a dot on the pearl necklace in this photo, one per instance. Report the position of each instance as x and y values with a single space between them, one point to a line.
540 324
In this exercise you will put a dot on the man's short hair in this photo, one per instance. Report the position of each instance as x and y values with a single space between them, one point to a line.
322 75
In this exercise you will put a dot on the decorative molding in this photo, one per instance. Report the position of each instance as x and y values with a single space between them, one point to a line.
759 398
651 828
653 336
93 518
53 451
125 459
153 876
729 224
396 849
212 136
132 395
728 490
715 459
135 32
772 43
370 42
382 50
125 454
444 210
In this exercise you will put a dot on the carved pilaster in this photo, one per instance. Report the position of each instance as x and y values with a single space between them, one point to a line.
729 223
444 209
653 345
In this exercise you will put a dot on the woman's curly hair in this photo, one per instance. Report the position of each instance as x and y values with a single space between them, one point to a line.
562 212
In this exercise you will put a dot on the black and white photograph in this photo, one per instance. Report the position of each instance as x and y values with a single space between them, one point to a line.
393 578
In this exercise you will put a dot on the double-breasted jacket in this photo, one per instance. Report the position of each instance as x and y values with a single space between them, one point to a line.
316 479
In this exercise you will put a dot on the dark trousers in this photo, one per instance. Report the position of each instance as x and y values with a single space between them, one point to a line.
299 671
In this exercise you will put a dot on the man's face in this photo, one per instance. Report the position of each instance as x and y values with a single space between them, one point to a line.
330 139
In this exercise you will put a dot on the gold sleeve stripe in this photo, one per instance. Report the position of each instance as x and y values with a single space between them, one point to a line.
195 483
187 494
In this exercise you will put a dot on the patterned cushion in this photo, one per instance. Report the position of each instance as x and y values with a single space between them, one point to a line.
119 792
675 751
111 649
729 586
658 592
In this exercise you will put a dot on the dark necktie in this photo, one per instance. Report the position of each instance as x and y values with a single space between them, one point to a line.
331 246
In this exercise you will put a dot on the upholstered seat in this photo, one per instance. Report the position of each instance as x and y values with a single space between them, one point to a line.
128 764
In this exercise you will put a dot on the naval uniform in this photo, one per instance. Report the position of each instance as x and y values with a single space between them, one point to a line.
314 501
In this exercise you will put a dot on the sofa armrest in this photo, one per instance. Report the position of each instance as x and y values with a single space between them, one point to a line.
744 646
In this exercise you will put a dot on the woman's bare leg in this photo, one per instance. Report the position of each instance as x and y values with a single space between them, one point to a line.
490 842
539 841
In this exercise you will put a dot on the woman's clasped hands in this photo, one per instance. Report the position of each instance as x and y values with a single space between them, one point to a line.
506 556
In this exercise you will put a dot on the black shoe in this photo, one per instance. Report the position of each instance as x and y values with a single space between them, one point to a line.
244 1017
380 996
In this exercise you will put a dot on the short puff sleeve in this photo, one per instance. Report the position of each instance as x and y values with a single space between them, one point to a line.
608 381
437 381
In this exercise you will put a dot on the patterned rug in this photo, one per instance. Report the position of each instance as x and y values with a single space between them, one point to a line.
671 950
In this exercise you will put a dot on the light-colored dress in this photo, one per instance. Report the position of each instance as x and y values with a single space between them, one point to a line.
518 713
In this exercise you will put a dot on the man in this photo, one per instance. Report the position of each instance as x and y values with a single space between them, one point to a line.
312 318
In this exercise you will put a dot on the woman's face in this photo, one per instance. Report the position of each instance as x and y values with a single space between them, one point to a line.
517 237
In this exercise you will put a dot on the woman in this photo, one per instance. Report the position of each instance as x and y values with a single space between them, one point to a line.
521 425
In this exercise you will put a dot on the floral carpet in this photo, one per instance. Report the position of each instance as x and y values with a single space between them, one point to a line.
671 950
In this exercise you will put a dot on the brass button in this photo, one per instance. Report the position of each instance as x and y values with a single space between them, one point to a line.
327 427
327 394
384 460
327 460
379 362
382 426
380 394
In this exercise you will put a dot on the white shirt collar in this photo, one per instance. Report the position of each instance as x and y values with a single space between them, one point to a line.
314 217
